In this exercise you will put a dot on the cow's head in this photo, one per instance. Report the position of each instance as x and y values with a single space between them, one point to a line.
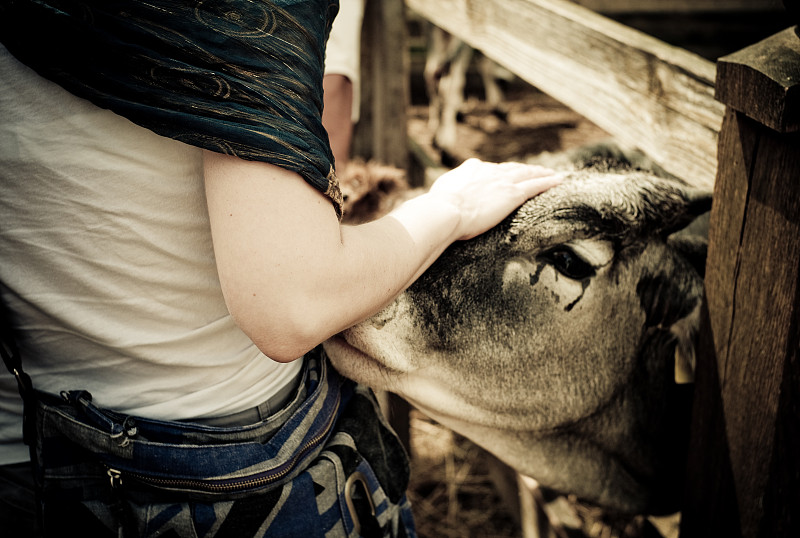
551 339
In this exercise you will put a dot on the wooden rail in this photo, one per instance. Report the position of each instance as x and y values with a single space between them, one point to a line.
642 91
679 6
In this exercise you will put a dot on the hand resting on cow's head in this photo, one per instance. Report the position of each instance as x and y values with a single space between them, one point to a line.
550 340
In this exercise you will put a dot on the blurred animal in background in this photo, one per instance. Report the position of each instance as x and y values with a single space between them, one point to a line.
447 61
371 189
555 340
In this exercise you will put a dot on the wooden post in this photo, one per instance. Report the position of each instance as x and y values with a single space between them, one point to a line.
743 476
381 133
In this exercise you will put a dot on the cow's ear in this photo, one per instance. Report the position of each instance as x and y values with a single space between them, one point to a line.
697 203
671 301
686 330
666 297
691 243
673 307
693 249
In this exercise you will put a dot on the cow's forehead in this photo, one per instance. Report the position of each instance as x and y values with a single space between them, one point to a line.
602 204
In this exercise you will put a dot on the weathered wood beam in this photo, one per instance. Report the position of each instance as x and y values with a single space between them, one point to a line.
381 132
644 92
744 458
680 6
768 92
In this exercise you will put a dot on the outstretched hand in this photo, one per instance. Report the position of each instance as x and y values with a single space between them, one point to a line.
485 193
292 275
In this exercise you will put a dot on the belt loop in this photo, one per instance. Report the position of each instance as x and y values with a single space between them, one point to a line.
263 410
81 400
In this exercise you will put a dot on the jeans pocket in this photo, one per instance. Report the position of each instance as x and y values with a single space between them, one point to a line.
371 471
355 499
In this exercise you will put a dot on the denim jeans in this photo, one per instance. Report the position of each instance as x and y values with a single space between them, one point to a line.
327 464
17 502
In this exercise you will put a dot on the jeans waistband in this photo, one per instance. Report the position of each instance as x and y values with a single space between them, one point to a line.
259 413
200 458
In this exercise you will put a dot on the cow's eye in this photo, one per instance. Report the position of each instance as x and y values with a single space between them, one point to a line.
568 263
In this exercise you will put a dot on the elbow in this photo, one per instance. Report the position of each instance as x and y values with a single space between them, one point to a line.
283 337
287 349
282 354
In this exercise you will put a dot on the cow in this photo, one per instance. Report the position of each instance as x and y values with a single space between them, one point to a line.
553 340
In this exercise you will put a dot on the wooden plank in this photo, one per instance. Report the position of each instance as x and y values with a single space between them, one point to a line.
381 132
644 92
744 454
744 459
679 6
769 94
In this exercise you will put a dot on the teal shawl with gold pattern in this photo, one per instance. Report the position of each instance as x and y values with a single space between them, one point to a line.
241 77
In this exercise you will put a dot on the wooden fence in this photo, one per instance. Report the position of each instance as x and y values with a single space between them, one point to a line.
733 126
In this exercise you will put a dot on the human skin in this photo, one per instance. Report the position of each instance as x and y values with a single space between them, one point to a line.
293 276
336 117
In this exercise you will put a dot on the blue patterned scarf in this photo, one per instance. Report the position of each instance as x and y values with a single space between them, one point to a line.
241 77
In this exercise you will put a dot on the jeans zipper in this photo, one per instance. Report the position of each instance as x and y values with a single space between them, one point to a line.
231 484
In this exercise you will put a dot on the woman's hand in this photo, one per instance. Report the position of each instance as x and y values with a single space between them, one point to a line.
485 193
293 276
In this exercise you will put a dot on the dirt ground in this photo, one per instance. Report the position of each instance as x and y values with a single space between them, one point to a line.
458 491
454 484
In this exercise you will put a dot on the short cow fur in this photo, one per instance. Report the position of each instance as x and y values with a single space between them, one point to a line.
551 339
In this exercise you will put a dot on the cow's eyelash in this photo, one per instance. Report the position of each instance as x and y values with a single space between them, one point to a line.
568 263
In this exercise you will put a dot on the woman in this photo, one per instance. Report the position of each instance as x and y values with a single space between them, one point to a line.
173 257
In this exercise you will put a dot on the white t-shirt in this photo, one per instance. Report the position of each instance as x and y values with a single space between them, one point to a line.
107 263
343 49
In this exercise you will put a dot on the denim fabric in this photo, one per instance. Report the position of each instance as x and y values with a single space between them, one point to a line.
326 465
17 502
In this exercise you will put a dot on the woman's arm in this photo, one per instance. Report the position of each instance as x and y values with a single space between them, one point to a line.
292 276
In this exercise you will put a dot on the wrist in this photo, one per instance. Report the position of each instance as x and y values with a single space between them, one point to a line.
434 214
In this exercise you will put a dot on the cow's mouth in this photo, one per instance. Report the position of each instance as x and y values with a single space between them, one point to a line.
352 361
339 343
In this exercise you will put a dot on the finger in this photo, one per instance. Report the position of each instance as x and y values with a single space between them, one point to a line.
521 172
540 171
538 185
